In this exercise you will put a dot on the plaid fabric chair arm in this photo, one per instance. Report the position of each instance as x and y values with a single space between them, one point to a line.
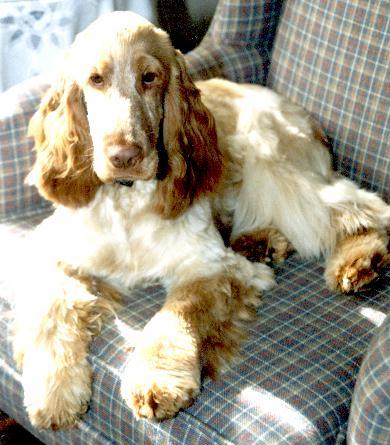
369 420
18 104
238 43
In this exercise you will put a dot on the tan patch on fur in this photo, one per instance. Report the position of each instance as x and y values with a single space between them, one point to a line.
263 246
218 87
319 134
213 307
195 163
96 286
199 326
104 68
58 390
63 170
357 260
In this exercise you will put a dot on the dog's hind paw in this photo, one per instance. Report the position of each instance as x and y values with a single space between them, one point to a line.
265 246
357 261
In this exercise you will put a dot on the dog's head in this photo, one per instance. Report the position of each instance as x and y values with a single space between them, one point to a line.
123 109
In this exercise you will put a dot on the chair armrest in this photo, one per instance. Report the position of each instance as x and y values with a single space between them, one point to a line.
370 410
239 42
18 104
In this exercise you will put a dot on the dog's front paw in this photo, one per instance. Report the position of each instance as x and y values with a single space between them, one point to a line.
55 417
56 398
357 261
163 374
159 394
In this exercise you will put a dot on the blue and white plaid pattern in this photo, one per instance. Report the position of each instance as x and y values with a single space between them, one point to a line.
294 380
16 151
369 422
238 43
333 59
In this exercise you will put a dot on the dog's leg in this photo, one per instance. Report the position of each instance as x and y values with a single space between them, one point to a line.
320 213
356 260
359 219
263 245
53 330
198 327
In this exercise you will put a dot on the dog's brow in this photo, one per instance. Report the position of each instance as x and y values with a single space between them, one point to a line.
103 67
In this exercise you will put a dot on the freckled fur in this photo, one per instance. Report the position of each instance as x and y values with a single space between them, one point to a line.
239 155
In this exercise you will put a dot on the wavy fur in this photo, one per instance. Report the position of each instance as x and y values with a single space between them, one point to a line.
195 162
63 170
198 156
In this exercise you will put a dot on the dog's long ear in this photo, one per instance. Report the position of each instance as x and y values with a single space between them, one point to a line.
190 139
63 170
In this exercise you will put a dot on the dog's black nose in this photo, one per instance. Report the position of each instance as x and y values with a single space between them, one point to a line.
122 156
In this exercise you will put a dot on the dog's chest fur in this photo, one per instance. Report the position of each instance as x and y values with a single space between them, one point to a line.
120 238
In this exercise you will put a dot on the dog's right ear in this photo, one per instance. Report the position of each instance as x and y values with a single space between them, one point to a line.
63 169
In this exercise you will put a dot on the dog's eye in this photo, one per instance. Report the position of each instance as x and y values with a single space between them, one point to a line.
96 80
148 78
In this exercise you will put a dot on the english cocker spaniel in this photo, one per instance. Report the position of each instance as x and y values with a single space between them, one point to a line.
146 170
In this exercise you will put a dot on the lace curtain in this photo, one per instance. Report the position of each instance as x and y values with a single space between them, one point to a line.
33 33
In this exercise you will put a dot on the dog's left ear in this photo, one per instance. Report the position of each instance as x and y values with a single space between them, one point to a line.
190 139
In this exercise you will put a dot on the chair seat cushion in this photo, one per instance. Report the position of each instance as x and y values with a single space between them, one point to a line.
292 383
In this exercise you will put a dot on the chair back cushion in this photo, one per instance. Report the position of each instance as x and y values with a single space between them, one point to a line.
18 200
333 59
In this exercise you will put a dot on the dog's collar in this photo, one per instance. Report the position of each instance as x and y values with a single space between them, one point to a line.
124 182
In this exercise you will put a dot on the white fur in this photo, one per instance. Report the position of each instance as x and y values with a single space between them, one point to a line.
117 238
285 179
277 174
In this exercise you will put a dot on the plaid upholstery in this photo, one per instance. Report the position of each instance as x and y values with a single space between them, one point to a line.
294 380
370 412
333 58
292 384
238 43
16 154
330 57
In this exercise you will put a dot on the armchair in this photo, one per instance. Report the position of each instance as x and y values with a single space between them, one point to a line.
302 377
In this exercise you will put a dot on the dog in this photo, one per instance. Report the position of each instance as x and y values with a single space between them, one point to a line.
155 177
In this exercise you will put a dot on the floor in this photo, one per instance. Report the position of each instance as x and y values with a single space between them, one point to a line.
12 433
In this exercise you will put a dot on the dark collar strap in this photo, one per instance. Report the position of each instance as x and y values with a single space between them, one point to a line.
125 182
